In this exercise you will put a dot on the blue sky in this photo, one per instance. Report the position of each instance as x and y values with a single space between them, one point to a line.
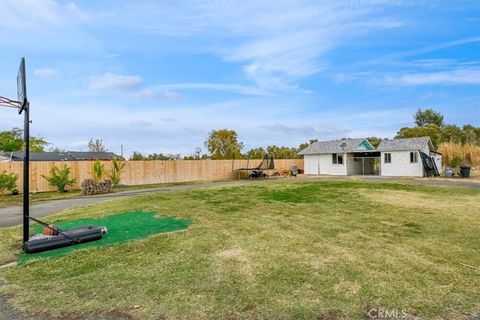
157 76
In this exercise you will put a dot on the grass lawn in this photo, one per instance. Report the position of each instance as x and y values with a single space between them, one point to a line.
16 200
270 250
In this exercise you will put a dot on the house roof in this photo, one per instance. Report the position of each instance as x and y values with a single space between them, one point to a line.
62 156
406 144
41 156
338 146
87 155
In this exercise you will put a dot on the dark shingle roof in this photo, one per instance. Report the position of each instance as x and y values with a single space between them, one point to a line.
62 156
405 144
87 155
336 146
42 156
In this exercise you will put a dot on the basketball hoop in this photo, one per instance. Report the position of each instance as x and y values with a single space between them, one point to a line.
21 101
22 87
6 102
57 238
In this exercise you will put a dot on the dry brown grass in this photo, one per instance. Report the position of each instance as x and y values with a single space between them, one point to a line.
469 153
417 200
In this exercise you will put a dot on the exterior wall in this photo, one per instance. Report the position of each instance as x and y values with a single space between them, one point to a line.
400 165
322 164
327 167
311 163
438 161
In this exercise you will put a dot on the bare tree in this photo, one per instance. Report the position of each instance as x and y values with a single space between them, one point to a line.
96 145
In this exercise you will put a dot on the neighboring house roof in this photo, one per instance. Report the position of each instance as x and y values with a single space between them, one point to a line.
41 156
4 157
406 144
62 156
81 155
338 146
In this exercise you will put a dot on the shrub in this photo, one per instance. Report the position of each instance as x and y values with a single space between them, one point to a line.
117 167
8 181
98 170
60 178
456 161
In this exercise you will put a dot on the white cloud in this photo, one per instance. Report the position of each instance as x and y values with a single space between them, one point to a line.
426 49
46 73
40 15
172 96
451 77
114 82
305 130
46 26
247 90
277 43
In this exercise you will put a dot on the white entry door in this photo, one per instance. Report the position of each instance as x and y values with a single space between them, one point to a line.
311 163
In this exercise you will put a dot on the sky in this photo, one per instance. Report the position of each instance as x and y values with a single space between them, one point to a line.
158 76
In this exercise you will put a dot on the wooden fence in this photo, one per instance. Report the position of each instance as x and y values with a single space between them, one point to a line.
140 172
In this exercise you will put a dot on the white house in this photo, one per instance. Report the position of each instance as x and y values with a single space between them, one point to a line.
408 157
398 157
341 157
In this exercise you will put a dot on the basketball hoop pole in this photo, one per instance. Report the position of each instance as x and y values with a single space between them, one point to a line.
25 107
26 173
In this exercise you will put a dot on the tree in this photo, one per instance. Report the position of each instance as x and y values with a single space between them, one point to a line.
471 134
38 144
137 156
57 150
96 145
12 140
430 130
451 133
159 156
282 152
256 153
224 144
428 116
306 144
375 141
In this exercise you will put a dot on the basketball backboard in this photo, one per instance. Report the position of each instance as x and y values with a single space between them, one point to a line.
21 86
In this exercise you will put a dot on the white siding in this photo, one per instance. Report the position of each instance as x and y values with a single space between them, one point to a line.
401 166
310 162
322 164
438 161
327 167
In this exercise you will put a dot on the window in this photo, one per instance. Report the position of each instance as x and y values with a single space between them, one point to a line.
413 157
337 158
387 158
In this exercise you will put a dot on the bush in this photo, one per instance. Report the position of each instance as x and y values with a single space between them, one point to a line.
117 167
60 178
456 161
8 181
98 170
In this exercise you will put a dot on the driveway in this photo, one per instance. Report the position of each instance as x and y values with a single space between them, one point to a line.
12 216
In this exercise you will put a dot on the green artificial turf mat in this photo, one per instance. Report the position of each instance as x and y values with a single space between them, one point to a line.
121 228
